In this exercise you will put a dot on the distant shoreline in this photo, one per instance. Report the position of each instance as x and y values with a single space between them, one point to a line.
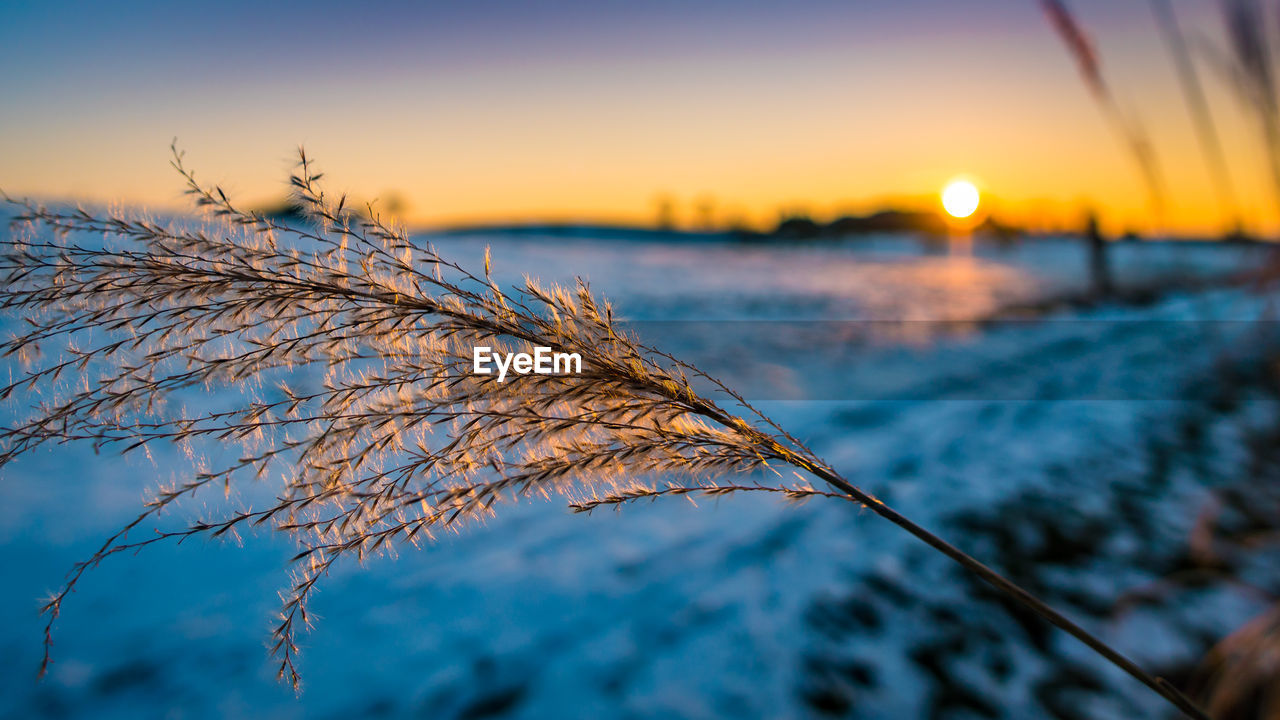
606 231
588 231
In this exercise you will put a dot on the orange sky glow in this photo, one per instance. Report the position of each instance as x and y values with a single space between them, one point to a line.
850 123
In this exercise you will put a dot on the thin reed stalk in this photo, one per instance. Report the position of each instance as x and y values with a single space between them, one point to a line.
400 440
1128 128
1198 107
1254 77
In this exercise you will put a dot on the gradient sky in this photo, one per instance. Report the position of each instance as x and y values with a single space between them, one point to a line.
493 111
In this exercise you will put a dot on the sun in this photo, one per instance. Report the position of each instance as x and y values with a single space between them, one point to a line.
960 198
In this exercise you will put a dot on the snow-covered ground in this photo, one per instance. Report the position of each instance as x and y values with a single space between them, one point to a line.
1063 437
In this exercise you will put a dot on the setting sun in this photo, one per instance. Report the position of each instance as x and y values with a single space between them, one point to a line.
960 198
